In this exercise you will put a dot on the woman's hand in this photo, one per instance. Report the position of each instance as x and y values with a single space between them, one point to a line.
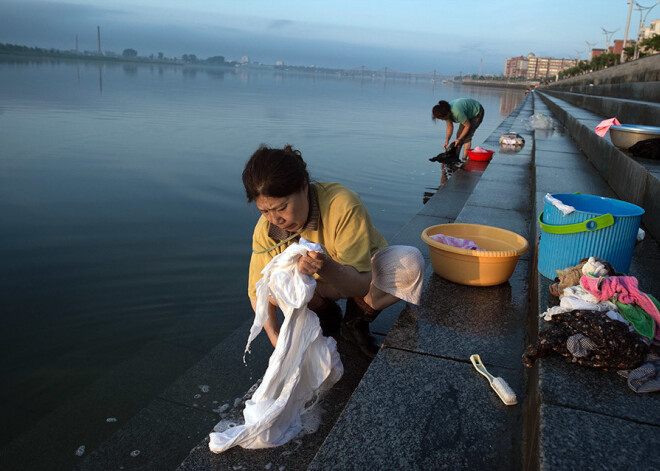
311 263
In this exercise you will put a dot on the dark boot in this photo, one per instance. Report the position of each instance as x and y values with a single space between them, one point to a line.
329 317
355 326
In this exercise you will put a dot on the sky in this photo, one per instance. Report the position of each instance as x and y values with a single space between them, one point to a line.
417 36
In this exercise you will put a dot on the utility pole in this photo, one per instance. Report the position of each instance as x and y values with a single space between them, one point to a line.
98 35
625 36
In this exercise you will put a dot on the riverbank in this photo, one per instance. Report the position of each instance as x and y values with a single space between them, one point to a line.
522 85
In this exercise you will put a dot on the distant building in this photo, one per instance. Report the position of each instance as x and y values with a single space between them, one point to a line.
618 46
279 63
543 67
532 67
596 52
244 60
516 67
649 31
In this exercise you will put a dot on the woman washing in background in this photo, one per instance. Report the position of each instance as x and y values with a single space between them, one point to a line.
466 111
357 264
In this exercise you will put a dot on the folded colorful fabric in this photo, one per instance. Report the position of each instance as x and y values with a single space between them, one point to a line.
626 290
639 318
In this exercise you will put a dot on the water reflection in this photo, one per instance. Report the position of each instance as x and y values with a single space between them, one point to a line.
509 100
448 166
130 70
544 133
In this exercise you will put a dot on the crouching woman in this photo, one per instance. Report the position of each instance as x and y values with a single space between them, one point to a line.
357 265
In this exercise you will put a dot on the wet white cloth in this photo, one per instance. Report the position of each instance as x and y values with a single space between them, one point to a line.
303 364
564 208
399 270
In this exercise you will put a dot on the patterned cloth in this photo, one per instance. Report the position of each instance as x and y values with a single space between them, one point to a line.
644 379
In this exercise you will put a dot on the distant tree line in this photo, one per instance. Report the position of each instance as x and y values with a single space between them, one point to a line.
128 54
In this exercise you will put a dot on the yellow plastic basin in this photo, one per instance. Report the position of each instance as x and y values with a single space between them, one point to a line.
488 267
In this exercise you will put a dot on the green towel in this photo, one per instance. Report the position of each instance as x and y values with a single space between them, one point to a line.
639 318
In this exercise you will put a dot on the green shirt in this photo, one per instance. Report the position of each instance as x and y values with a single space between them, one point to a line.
463 109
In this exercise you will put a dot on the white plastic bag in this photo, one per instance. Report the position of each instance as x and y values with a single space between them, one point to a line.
539 121
303 364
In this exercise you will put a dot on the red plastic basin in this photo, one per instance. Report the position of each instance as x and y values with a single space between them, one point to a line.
480 156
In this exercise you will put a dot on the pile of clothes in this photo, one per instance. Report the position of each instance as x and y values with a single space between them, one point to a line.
599 318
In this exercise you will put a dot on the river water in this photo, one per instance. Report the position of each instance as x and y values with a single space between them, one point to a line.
122 213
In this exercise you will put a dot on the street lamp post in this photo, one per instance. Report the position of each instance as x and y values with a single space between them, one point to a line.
625 36
608 36
640 9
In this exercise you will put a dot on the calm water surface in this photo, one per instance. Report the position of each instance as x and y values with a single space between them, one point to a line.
122 214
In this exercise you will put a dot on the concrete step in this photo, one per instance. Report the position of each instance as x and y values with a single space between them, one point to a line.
578 416
645 92
626 110
636 80
632 179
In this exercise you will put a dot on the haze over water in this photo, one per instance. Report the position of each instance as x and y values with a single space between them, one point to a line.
124 219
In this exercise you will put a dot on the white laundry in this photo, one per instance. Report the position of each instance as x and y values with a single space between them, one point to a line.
572 303
547 315
564 208
594 267
578 291
304 363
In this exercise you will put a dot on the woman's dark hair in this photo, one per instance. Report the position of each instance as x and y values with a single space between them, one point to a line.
274 172
441 111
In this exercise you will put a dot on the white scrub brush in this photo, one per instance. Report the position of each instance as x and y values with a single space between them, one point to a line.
498 384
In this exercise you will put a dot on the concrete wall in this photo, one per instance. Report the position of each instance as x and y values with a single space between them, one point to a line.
646 69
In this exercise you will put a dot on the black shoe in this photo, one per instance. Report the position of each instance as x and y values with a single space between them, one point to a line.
330 318
355 329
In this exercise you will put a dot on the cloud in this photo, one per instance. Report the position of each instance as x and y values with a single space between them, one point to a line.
47 25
